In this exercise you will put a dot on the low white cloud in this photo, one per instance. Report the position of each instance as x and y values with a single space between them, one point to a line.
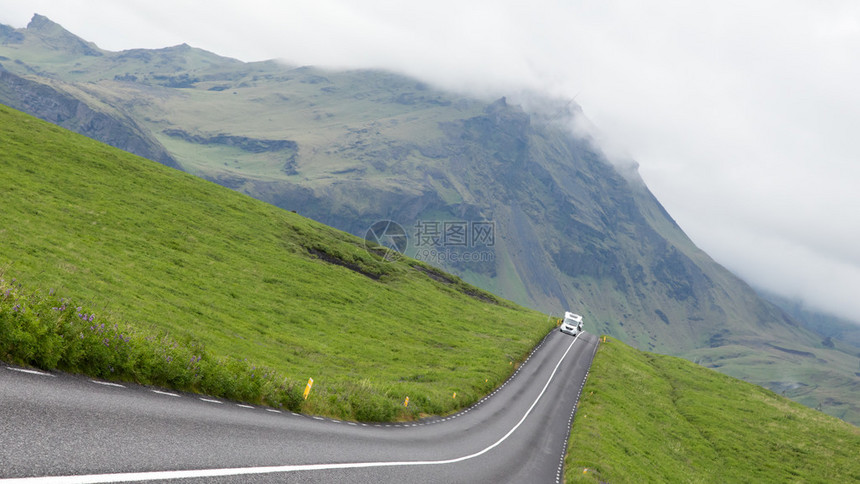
788 268
742 115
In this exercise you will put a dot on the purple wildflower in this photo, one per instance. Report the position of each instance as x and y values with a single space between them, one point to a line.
91 317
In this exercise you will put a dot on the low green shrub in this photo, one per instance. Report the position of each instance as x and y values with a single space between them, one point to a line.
51 332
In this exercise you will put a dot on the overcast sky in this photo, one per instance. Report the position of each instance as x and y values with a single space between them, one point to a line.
743 116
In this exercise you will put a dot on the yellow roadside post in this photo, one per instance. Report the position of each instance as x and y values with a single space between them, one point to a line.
406 403
455 395
308 388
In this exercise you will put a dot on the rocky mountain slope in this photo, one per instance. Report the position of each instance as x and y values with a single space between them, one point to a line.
503 195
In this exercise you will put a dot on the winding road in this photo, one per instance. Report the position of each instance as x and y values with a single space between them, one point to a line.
67 429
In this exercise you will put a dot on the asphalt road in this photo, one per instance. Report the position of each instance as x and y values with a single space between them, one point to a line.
70 429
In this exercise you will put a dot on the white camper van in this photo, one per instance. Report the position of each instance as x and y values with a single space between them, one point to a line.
572 324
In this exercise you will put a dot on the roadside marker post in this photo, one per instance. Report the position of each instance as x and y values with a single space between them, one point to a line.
455 395
406 403
308 388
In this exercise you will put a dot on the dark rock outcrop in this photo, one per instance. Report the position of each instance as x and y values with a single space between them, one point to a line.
63 109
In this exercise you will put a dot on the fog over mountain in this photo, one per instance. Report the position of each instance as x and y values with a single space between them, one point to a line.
742 117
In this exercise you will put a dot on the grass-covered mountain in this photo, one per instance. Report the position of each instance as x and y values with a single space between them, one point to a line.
645 417
134 242
569 229
166 266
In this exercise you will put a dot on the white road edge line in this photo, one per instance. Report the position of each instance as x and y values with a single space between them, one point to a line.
155 475
165 393
32 372
108 384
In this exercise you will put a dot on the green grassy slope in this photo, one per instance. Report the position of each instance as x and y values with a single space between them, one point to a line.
163 249
650 418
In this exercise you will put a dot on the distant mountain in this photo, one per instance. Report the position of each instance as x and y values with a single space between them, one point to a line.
64 105
504 196
834 331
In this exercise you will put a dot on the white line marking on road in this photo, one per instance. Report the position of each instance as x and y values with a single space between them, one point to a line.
273 410
165 393
156 475
209 400
108 384
243 406
32 372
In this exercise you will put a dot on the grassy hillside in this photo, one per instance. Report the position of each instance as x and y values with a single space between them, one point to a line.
650 418
166 251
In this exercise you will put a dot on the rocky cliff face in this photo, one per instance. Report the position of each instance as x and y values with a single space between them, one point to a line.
571 231
61 108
